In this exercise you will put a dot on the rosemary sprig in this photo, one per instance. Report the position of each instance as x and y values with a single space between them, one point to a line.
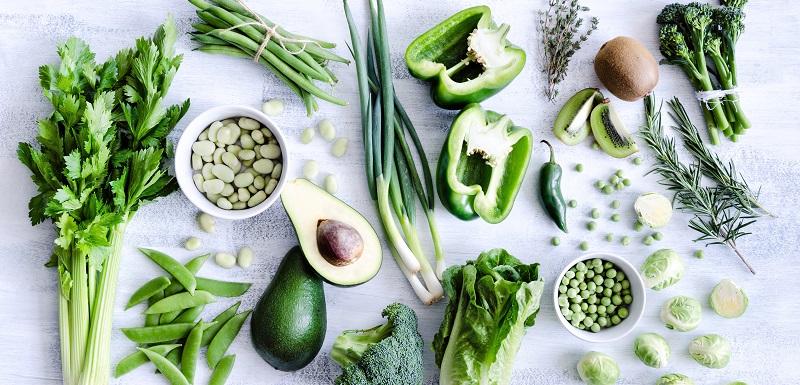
559 39
716 214
712 166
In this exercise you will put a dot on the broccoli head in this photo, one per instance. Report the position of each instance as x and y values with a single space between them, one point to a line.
671 14
388 354
698 17
733 3
728 22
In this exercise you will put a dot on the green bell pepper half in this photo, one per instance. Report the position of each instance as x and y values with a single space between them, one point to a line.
466 57
482 164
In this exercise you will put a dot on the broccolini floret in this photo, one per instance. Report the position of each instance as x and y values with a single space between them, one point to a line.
388 354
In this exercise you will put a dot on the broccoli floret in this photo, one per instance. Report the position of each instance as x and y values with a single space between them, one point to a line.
728 22
733 3
671 14
388 354
674 48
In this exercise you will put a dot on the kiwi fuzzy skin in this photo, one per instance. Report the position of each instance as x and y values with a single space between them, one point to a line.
626 68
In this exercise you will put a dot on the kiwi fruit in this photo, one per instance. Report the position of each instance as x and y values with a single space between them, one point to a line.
626 68
609 131
572 124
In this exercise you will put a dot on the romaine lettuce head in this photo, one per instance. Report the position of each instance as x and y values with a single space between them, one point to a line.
492 301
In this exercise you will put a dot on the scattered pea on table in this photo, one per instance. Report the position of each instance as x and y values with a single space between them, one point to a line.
573 203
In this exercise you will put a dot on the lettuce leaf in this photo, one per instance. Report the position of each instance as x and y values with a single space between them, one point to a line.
492 301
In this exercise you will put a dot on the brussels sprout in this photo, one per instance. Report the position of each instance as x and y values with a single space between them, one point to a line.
681 313
662 269
728 300
652 349
675 379
711 351
653 209
596 368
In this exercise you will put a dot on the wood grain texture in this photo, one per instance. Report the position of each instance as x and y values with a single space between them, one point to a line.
764 339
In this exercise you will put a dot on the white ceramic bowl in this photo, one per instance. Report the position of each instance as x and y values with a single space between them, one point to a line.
183 157
635 309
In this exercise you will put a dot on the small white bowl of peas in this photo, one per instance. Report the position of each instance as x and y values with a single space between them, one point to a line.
230 162
599 297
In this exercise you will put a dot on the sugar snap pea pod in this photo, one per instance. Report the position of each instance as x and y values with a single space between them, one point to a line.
160 333
170 317
138 359
170 371
174 357
193 266
225 336
220 374
222 288
221 319
190 314
170 265
181 301
152 319
148 290
191 349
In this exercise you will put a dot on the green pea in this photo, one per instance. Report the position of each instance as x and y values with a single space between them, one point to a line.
588 322
160 333
562 289
622 313
620 173
138 359
620 276
611 309
222 288
595 146
699 254
591 226
584 306
191 349
220 374
658 236
592 300
170 371
590 274
595 328
616 288
626 284
595 213
637 160
602 321
580 276
619 186
614 179
576 308
605 301
566 313
584 246
591 286
555 241
608 283
598 269
615 204
627 299
638 226
582 326
592 308
601 309
562 301
599 289
574 321
584 294
573 283
570 274
615 319
608 265
625 292
181 301
608 292
580 266
611 273
616 300
626 182
148 290
609 237
573 203
593 316
648 240
608 190
626 240
220 320
583 286
600 184
615 218
579 167
577 298
564 280
598 279
220 343
170 265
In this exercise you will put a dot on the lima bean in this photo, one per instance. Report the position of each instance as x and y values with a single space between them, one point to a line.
181 301
244 194
213 186
223 288
138 359
192 244
276 171
224 368
248 123
224 135
170 265
271 151
206 171
244 179
327 129
270 187
240 205
212 130
230 160
257 137
203 147
248 163
224 337
233 198
273 107
197 162
213 197
310 170
245 257
148 290
160 333
267 134
263 166
256 199
247 141
227 190
170 371
340 147
236 132
225 260
203 135
221 319
218 155
247 155
259 182
191 349
223 172
224 203
331 184
308 135
198 182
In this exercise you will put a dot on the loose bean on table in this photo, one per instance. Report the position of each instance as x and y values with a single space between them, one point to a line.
192 244
272 107
339 147
225 260
327 129
245 257
331 184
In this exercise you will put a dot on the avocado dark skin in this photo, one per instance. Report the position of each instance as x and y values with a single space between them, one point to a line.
289 322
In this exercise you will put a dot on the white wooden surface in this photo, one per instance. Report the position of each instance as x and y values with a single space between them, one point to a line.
764 340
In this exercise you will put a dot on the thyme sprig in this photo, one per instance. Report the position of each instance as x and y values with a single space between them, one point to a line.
713 167
558 29
716 209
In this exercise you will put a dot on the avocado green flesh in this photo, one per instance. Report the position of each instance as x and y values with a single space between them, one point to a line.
306 204
289 322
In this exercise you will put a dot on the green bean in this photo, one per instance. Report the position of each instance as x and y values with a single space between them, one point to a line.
170 265
190 314
181 301
223 339
152 319
219 321
170 371
220 374
148 290
138 359
222 288
191 349
160 333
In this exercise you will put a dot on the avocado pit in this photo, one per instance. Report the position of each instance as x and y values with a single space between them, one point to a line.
339 243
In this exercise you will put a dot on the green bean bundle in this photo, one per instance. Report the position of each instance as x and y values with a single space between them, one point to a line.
230 28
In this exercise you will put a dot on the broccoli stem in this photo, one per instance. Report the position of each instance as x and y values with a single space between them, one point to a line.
351 345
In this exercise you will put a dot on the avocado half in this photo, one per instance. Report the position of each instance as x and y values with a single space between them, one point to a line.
306 204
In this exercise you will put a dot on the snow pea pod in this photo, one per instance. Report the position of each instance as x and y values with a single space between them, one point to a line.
148 290
222 288
191 349
550 191
170 265
220 374
193 266
153 319
170 371
222 341
160 333
170 317
181 301
138 359
221 319
190 314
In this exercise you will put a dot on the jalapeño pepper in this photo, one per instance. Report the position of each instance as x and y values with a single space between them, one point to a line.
550 191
